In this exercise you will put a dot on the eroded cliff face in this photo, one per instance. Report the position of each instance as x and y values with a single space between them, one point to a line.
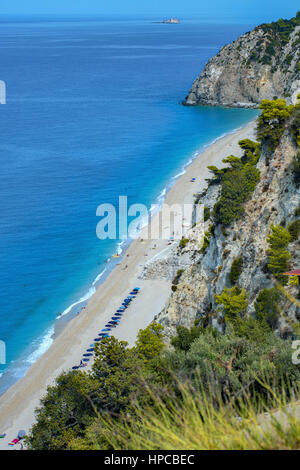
274 201
261 64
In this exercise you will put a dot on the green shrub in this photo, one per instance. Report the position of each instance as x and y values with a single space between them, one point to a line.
297 211
279 256
234 302
207 236
294 229
296 168
183 242
237 185
185 337
206 213
266 306
295 124
271 122
238 180
236 270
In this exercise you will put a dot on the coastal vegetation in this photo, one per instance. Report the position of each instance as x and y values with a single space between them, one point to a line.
279 255
281 29
244 372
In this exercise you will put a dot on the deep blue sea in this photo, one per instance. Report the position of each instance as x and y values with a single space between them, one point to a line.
92 113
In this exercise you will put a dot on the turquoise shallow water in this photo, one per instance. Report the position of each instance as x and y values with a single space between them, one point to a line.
92 113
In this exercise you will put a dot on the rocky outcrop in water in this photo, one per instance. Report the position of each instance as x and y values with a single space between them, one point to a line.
261 64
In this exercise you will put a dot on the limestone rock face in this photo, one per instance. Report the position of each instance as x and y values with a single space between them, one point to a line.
274 201
258 65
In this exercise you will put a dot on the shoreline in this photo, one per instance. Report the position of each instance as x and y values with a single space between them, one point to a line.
17 404
8 378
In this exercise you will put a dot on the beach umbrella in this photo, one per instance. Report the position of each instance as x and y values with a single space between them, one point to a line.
85 359
90 349
87 355
97 339
21 434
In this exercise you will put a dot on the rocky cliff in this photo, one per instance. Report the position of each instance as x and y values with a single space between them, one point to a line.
200 274
261 64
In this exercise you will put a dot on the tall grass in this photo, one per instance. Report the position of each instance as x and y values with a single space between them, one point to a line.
196 423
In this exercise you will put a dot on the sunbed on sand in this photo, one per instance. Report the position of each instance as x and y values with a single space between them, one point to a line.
14 442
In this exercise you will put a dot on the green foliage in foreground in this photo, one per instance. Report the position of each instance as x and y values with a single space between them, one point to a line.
78 397
86 410
197 424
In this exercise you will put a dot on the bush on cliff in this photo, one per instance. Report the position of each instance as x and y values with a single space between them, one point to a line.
238 180
272 120
296 168
236 270
266 306
279 255
294 229
237 185
234 302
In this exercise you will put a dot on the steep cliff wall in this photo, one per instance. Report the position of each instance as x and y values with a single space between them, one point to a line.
275 200
261 64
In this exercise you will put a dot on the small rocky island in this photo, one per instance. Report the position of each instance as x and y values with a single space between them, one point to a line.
170 21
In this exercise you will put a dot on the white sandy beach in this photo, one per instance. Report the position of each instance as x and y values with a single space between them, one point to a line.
17 405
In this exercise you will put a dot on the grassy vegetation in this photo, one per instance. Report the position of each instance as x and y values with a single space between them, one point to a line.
199 425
